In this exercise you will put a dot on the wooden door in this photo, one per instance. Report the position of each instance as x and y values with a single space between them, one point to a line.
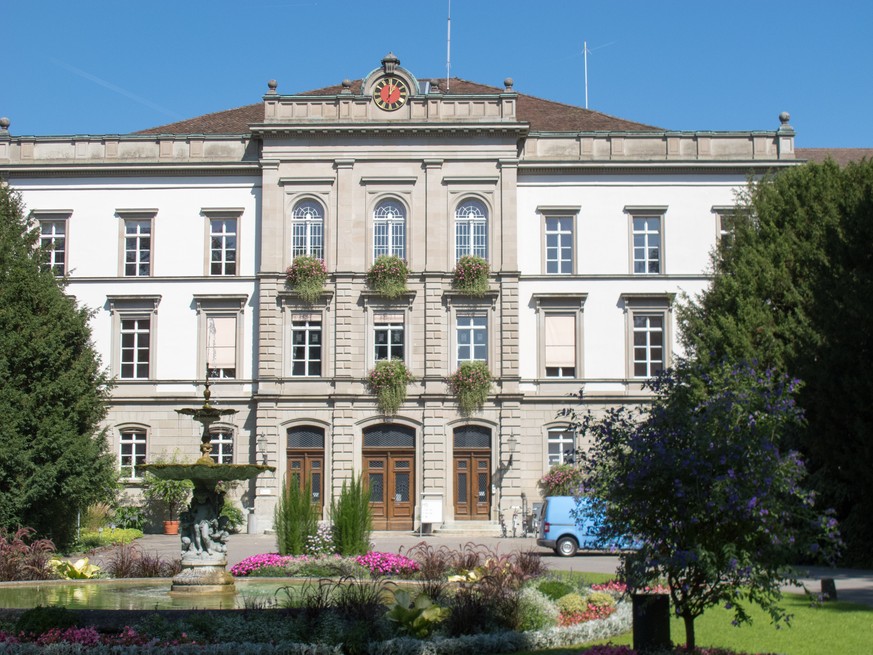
472 473
308 466
391 480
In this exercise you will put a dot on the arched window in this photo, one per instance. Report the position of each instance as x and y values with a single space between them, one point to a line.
132 444
471 229
389 229
308 229
222 445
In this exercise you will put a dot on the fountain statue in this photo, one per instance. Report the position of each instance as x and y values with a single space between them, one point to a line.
203 530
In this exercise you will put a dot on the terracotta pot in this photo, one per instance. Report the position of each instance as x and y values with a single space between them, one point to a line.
171 527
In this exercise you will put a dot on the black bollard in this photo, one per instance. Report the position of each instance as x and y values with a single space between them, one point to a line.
828 589
651 619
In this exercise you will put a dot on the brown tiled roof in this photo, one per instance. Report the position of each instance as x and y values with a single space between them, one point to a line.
841 156
542 115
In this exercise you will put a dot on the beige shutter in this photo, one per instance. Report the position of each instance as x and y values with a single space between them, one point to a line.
560 340
221 341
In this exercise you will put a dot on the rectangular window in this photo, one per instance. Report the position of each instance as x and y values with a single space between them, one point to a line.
222 445
389 239
559 245
221 346
53 240
647 244
648 348
306 348
308 238
135 348
560 343
388 337
562 447
137 248
132 452
223 251
472 338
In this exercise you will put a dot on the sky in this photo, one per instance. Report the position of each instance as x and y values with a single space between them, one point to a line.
112 67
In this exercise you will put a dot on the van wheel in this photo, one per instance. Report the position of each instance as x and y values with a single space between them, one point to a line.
566 547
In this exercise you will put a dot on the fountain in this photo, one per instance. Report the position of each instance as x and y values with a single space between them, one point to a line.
202 529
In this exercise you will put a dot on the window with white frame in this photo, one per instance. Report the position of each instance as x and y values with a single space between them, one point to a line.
137 247
389 229
560 344
648 344
221 345
559 245
562 446
135 353
647 249
132 452
388 336
223 246
472 337
471 229
53 241
222 445
307 229
306 348
726 219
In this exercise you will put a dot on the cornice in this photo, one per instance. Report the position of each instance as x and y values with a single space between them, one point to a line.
386 128
612 167
123 169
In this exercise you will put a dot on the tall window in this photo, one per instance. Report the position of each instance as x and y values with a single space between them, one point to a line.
472 338
222 240
53 239
132 452
222 445
560 337
221 346
471 229
562 446
137 248
388 336
647 244
648 344
307 224
135 347
389 229
306 348
559 244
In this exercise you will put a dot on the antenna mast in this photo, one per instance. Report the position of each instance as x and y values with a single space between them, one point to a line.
585 56
449 46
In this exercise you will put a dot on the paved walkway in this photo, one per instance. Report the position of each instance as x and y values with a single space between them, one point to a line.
853 585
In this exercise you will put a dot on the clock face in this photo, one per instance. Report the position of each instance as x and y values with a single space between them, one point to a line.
390 93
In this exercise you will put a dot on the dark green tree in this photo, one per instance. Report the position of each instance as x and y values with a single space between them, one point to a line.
53 456
791 291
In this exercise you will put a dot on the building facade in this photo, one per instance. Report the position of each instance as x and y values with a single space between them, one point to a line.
179 238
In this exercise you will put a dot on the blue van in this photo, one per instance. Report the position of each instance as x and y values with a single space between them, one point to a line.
567 527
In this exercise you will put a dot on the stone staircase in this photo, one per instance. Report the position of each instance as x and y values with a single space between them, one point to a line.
471 529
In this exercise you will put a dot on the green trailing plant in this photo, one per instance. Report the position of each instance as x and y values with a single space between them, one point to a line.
352 518
387 276
471 275
168 496
471 384
416 616
306 276
295 518
387 381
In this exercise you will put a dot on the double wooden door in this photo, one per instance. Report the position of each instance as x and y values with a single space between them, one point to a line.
308 466
391 480
472 475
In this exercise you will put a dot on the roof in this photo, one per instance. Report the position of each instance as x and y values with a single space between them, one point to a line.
542 115
841 156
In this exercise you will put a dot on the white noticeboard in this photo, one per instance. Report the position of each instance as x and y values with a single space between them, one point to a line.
432 509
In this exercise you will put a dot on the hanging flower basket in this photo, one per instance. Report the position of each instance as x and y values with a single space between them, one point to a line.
562 480
388 382
387 276
471 275
471 384
306 276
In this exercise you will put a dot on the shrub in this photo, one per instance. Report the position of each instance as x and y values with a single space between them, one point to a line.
471 275
96 516
562 480
234 515
600 599
352 518
554 589
40 619
388 382
306 275
24 558
535 610
471 384
572 603
130 517
107 537
295 518
387 276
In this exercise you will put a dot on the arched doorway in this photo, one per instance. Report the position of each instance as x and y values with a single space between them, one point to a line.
472 473
306 461
389 464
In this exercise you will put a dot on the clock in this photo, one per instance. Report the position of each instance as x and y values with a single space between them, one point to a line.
390 93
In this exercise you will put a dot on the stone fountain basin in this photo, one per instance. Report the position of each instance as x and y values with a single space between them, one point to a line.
201 471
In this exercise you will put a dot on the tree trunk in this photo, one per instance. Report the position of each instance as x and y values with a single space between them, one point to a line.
689 631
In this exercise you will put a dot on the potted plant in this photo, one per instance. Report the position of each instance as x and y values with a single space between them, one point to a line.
562 480
387 276
388 382
306 276
471 384
471 275
168 497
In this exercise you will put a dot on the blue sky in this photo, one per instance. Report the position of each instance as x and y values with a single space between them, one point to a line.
103 67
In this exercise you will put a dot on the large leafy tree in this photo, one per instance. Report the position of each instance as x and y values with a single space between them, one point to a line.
792 290
705 483
53 456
